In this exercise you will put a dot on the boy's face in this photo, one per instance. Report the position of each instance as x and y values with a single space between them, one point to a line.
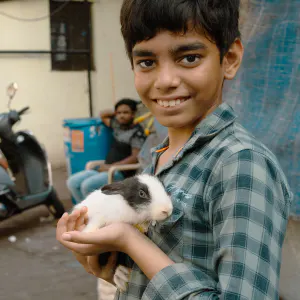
124 114
180 77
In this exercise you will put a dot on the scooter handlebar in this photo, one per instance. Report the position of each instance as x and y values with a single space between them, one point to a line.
22 111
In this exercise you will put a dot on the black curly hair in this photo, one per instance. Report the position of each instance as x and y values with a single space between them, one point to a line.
129 102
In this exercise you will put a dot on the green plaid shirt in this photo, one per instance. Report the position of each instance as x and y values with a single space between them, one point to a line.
231 206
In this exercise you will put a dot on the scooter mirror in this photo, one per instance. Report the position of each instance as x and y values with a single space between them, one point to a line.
11 90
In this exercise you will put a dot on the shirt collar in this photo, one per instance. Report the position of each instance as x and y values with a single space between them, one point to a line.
208 128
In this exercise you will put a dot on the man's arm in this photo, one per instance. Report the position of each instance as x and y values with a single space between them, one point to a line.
106 117
248 205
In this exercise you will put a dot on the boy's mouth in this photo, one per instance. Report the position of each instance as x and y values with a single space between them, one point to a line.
171 103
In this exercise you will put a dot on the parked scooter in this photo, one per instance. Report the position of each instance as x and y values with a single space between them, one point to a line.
28 183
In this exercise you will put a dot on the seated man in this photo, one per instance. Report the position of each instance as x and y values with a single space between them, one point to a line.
127 142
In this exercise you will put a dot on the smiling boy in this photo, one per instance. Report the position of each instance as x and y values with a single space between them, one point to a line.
230 196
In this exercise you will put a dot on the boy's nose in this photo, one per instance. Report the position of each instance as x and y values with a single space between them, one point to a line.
167 78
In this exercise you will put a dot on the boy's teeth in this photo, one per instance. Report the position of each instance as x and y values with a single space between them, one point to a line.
170 103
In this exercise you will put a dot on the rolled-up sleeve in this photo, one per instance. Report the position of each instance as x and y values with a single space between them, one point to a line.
179 281
248 201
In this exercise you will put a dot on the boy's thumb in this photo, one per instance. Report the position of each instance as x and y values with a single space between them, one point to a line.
81 238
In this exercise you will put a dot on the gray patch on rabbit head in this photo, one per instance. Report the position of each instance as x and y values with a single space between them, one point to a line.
136 193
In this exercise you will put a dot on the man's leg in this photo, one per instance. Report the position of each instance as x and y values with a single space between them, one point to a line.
75 182
97 181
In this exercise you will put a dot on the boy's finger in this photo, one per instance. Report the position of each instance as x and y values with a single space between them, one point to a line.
105 272
108 270
93 265
83 210
86 219
61 226
80 228
82 237
83 260
79 223
82 218
80 249
112 261
61 229
72 220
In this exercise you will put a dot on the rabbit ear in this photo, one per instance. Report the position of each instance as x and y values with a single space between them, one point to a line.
115 188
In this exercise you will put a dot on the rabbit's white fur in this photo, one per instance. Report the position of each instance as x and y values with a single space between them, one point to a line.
107 209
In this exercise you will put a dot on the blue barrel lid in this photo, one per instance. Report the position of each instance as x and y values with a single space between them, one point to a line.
82 122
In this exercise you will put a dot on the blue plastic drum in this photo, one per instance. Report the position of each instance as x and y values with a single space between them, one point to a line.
85 140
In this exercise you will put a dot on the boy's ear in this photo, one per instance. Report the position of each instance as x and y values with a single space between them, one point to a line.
233 59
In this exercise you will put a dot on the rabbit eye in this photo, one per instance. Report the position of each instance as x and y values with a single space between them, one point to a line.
142 194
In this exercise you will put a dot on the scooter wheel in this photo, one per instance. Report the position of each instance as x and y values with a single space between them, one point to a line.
55 206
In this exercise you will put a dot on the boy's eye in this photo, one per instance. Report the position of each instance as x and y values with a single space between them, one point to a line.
145 64
190 59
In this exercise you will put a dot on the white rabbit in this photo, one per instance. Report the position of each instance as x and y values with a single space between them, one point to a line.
137 200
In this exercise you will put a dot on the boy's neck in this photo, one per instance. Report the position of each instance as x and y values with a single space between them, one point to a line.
179 136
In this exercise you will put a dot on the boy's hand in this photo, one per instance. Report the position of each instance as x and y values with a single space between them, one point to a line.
77 221
107 239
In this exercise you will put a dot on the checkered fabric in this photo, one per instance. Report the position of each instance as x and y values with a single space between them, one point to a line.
231 206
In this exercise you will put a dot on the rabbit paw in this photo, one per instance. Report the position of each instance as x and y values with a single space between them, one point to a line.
121 277
106 291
